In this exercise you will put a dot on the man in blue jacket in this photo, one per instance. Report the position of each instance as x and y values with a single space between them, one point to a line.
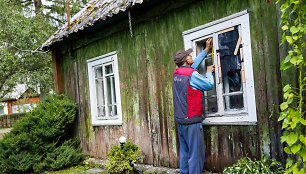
189 107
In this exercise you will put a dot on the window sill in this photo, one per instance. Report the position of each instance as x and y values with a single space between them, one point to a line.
241 119
116 122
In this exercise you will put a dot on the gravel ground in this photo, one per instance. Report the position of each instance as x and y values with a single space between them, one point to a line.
146 168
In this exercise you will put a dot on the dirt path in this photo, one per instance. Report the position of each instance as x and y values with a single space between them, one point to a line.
3 131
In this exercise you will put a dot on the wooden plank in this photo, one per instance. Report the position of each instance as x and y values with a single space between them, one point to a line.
9 107
242 65
259 58
226 30
57 71
270 16
237 46
219 68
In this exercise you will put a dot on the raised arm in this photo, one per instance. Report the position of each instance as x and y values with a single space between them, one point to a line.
198 60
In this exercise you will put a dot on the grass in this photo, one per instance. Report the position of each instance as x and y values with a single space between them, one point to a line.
76 169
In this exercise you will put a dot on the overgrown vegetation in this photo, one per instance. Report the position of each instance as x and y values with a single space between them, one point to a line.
122 159
293 108
246 165
41 140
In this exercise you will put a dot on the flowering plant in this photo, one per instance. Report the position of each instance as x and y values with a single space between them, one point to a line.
121 159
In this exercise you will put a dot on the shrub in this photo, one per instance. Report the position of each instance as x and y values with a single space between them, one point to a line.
246 165
122 159
41 140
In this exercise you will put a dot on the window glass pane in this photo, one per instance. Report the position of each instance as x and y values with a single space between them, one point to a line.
234 102
15 109
211 105
108 69
112 110
100 92
114 89
21 108
232 81
98 72
101 111
1 110
111 95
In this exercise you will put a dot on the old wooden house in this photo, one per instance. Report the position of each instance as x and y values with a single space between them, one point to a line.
115 59
22 99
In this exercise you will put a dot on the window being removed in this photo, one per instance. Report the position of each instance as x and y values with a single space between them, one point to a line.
232 100
230 59
211 105
227 46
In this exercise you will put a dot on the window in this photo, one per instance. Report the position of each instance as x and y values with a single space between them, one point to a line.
1 110
22 108
232 101
104 87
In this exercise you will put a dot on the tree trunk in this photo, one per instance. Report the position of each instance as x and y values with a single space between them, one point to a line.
37 4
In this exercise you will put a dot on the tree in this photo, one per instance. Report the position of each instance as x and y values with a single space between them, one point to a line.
53 11
24 26
19 35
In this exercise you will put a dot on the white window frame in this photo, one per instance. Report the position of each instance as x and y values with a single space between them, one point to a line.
103 60
247 116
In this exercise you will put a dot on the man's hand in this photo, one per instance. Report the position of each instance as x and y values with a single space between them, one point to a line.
211 68
208 45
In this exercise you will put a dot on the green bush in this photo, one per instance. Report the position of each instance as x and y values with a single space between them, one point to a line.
247 166
121 160
42 139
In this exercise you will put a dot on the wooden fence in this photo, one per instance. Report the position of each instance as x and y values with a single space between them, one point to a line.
8 120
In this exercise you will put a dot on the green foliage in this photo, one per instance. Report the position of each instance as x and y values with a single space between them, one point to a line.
41 140
247 166
22 30
121 160
13 115
19 35
53 11
293 108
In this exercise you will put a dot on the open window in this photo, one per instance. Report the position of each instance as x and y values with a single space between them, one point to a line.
232 100
104 87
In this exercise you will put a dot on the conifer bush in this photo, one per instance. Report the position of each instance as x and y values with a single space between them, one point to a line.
122 159
42 140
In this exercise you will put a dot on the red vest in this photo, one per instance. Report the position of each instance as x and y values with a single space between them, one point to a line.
188 103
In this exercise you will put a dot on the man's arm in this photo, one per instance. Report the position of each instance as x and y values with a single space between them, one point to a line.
198 81
198 60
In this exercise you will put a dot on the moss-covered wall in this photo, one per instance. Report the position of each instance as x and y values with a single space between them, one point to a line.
145 68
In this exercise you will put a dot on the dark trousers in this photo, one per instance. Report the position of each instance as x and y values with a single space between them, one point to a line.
192 148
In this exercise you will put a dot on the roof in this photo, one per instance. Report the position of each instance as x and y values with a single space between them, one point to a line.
93 12
19 91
